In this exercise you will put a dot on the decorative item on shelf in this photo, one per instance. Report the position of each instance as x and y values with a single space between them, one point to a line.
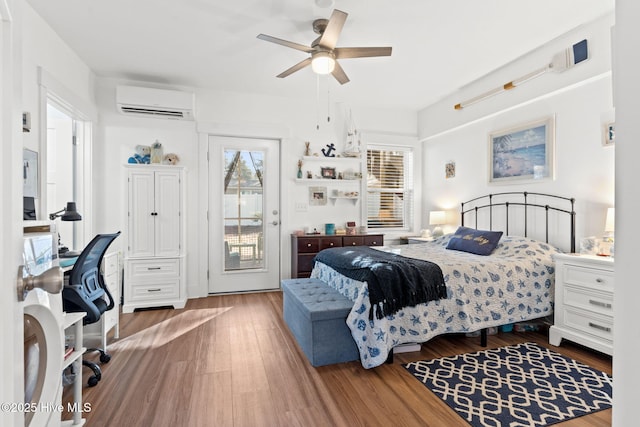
142 155
353 146
170 159
589 245
329 229
328 152
327 172
307 148
437 218
426 233
299 175
606 244
309 175
339 175
156 152
351 228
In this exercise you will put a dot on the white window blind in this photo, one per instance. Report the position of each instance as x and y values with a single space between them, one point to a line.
389 187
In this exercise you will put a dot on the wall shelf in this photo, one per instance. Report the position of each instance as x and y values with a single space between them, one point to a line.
334 198
325 181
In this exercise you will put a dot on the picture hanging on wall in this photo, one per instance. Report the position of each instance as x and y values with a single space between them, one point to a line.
317 196
450 170
30 173
609 134
522 153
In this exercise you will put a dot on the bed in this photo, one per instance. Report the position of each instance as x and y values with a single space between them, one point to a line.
512 284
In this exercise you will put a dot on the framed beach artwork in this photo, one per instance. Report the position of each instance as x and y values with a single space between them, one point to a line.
522 153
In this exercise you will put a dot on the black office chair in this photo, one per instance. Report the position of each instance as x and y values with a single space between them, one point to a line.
84 290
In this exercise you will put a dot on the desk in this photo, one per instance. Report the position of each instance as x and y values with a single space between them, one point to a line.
67 263
244 245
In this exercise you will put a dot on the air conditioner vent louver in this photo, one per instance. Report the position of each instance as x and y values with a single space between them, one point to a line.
157 103
151 112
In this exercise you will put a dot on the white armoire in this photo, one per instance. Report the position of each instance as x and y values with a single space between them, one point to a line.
154 261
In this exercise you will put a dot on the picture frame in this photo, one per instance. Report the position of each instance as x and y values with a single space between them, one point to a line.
328 173
523 153
609 134
30 173
317 196
450 170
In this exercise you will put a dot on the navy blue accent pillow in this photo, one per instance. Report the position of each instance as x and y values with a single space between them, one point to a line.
479 242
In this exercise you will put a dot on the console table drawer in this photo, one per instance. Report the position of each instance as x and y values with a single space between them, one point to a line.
353 241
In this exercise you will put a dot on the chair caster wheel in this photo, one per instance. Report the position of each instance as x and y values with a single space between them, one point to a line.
105 358
93 381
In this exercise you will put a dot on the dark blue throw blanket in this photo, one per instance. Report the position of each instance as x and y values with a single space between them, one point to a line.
394 281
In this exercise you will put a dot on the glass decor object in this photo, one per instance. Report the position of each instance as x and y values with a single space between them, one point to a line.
156 152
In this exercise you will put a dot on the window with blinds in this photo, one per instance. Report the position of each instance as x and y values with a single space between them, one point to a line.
389 187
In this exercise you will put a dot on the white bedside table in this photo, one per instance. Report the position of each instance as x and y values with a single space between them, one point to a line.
584 301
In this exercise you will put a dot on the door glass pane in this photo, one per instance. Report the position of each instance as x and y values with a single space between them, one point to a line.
243 209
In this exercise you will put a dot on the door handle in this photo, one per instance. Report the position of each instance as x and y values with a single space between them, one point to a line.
50 281
276 222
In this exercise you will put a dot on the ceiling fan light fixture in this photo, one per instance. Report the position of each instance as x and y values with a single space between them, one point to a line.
323 62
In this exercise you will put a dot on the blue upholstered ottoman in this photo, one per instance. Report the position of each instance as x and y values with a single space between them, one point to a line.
316 315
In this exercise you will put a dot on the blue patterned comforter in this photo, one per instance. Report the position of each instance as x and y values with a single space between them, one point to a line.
514 283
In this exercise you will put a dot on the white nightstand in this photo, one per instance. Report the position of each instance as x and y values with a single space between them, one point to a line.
584 301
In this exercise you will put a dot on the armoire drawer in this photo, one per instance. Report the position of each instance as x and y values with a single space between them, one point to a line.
153 268
155 290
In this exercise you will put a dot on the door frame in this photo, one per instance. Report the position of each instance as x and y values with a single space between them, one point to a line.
205 130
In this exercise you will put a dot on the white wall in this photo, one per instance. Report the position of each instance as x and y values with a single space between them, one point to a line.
580 100
626 334
245 114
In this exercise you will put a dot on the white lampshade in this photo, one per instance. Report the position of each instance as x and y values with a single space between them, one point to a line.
437 217
323 62
610 222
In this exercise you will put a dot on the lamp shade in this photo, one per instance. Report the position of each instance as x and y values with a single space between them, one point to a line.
436 217
323 62
71 213
610 223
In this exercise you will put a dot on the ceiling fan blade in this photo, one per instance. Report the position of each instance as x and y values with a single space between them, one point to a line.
361 52
300 65
330 36
286 43
339 74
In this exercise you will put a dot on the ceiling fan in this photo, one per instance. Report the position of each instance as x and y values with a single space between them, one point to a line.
323 50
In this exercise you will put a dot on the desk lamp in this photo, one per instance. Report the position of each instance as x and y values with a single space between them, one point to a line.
68 213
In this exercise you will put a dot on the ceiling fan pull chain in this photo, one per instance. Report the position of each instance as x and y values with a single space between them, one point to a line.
328 101
317 102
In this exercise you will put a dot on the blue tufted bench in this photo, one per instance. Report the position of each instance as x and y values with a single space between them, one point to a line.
316 314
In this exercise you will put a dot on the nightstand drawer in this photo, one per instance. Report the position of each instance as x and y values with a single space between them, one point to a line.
600 326
599 302
592 277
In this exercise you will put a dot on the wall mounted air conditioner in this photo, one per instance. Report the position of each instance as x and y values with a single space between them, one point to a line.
158 103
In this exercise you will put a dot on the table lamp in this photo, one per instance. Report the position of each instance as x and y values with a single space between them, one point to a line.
609 229
437 218
68 213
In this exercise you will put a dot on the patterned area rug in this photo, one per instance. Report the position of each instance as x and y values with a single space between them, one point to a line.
518 385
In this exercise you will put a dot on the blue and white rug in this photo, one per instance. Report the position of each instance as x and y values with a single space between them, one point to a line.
518 385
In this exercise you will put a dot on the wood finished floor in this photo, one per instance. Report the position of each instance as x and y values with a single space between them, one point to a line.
231 361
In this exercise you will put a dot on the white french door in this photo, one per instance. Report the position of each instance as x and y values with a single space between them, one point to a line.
244 214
